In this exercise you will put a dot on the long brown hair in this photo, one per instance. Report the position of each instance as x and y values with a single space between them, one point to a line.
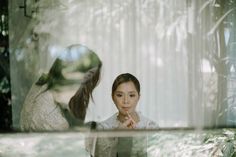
79 102
53 77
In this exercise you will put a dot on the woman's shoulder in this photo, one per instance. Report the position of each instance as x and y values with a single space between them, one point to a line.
147 123
40 112
109 123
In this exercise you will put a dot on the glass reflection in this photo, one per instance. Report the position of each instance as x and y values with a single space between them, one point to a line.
165 143
58 99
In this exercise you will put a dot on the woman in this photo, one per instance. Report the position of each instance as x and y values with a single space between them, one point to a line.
46 105
125 95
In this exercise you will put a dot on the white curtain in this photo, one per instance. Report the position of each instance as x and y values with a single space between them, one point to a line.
161 42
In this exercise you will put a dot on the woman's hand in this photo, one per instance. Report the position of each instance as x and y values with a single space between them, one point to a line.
133 122
129 123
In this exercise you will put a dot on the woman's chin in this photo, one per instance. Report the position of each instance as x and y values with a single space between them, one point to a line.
123 112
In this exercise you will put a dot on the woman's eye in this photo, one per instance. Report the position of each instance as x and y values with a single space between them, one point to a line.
118 95
132 95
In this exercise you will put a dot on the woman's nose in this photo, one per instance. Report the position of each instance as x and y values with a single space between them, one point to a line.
126 99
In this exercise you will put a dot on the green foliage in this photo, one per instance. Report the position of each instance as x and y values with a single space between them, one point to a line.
43 79
87 62
225 140
4 85
56 70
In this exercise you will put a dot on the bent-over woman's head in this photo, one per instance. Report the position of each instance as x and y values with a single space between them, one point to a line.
72 78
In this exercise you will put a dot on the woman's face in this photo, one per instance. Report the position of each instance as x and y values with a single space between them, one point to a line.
126 97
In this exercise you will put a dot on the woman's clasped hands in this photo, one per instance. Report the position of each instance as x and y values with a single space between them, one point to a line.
129 122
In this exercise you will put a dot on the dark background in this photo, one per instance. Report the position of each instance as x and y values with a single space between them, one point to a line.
5 90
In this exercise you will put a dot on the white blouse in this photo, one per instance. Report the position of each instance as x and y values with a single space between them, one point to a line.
110 146
113 123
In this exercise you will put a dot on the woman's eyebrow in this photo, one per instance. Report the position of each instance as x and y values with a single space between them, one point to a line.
130 92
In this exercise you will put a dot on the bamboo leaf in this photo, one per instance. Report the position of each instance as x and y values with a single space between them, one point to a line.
212 31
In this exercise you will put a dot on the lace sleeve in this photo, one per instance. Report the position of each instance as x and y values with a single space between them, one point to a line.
152 125
40 113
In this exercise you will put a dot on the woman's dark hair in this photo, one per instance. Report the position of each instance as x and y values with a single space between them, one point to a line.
123 78
54 75
79 102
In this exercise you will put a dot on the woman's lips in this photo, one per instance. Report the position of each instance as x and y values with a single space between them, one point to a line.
126 108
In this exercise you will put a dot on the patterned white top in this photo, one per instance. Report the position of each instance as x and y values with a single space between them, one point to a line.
110 146
40 112
113 123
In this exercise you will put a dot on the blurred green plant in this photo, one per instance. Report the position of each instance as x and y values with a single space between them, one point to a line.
225 140
87 62
4 85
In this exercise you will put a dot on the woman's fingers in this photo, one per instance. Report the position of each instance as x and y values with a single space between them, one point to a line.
128 122
133 123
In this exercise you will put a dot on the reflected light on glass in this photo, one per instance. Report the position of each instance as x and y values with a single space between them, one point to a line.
232 69
53 50
227 35
206 67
